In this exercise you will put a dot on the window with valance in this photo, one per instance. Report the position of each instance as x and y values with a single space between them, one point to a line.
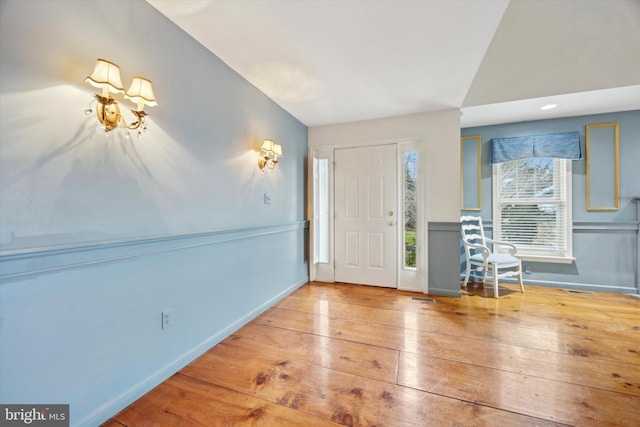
532 193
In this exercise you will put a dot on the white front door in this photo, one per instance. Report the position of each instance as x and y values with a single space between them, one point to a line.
366 216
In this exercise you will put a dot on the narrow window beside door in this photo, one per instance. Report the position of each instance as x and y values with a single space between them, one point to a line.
321 210
410 210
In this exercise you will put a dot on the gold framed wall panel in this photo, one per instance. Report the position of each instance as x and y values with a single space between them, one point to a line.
471 182
603 167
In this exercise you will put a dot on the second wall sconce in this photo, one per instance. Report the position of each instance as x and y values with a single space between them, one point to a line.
106 76
269 153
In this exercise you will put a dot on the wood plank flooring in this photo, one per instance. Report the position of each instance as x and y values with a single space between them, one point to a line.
337 354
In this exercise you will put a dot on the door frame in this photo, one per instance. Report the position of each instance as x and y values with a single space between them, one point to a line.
407 278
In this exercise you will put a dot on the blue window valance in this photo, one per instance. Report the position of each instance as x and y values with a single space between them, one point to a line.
564 145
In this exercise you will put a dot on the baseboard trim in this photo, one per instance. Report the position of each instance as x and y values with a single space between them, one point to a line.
410 289
117 404
572 285
445 292
579 286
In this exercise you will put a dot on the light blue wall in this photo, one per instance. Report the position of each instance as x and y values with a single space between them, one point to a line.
604 242
100 234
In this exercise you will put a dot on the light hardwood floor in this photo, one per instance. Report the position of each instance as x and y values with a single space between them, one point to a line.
337 354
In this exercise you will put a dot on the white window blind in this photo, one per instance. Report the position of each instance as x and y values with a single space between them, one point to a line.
532 206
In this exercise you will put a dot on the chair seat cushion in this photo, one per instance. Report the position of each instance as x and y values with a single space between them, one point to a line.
497 258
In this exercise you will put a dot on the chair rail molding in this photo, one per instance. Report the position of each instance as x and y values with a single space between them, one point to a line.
21 262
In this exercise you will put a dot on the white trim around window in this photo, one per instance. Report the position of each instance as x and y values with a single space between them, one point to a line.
532 208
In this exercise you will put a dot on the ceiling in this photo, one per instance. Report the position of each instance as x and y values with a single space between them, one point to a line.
328 62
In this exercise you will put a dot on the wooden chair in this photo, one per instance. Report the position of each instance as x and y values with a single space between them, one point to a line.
479 255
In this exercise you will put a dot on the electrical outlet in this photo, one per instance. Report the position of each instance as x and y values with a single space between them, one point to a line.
267 199
167 319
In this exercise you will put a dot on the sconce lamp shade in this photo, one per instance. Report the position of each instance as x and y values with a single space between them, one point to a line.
277 150
141 92
271 148
106 76
267 146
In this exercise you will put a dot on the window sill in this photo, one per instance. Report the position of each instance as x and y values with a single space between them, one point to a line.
549 259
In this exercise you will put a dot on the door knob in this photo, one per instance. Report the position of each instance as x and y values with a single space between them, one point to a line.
390 213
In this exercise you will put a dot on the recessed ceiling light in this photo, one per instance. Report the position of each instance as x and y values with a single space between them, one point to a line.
548 107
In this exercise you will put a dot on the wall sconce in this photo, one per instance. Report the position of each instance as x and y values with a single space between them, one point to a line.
106 76
269 153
